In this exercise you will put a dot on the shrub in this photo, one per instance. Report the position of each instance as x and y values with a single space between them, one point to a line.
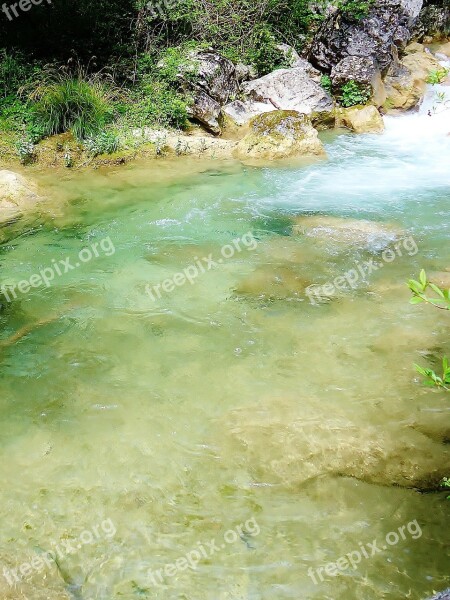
72 104
353 93
156 103
263 52
106 142
355 9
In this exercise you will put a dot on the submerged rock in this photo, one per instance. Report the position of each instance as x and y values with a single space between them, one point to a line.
361 119
347 231
278 444
276 282
280 134
17 194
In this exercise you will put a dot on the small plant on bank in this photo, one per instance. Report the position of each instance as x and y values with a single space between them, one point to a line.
445 483
441 300
26 151
353 93
325 82
437 76
106 142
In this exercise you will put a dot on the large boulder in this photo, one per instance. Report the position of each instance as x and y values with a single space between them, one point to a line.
379 35
210 80
17 195
279 134
362 70
292 89
433 23
406 81
361 119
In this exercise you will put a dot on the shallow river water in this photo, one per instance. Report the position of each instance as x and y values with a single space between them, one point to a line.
138 428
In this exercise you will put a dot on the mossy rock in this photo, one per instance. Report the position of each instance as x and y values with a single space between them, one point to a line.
280 134
361 119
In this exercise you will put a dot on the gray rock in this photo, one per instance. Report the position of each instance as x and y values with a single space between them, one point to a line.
245 72
357 68
380 35
210 80
291 89
445 595
433 21
240 112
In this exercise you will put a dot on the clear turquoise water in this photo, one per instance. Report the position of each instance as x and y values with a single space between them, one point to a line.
232 399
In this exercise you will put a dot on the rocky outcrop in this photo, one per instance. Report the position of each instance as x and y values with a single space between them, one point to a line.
405 82
378 36
210 80
279 134
240 113
17 195
361 119
433 23
292 89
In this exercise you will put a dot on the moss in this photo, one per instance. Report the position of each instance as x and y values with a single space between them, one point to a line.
280 123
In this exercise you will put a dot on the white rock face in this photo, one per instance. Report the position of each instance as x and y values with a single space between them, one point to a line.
16 195
290 89
241 112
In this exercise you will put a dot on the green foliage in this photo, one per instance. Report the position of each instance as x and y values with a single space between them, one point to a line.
445 483
440 300
353 93
437 76
156 103
72 104
105 142
325 82
263 53
355 9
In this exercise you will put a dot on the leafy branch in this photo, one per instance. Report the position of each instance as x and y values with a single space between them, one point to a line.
440 300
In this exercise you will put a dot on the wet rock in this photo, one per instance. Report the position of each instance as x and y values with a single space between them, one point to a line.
279 444
405 82
292 89
347 231
445 595
279 134
444 49
361 119
17 195
379 35
210 79
275 282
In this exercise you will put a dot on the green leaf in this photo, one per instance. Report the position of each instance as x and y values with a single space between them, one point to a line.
416 300
423 278
438 290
